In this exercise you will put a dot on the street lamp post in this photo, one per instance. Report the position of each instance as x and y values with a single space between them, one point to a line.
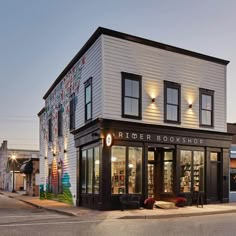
13 181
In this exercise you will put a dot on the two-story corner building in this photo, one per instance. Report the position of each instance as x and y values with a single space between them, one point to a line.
130 115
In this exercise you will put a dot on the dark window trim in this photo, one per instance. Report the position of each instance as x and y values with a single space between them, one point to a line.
72 112
138 78
173 85
60 121
208 92
88 83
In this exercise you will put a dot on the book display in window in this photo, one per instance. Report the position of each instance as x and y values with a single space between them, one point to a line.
168 177
150 180
118 179
185 178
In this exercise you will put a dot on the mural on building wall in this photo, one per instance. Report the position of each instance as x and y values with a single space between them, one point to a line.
60 96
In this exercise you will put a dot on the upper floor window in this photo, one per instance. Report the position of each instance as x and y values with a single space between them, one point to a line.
172 102
60 121
88 99
50 130
131 96
72 112
206 106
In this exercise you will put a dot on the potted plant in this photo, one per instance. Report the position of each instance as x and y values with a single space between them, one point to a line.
180 201
149 202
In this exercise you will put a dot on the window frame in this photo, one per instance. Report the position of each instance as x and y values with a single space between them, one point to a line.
72 112
172 85
50 130
210 93
135 77
60 122
87 84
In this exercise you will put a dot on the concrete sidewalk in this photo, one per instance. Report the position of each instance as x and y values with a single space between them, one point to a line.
156 213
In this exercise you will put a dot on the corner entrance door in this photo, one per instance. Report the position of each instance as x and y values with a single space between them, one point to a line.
152 173
214 177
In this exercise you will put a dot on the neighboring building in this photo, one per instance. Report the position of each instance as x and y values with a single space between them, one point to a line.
231 127
130 115
6 164
30 168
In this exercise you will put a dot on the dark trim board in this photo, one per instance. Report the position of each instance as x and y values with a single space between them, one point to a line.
132 38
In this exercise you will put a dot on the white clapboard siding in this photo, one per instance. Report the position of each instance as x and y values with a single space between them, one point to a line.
42 144
92 68
156 65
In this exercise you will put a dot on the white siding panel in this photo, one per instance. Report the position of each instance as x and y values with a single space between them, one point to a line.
92 68
156 65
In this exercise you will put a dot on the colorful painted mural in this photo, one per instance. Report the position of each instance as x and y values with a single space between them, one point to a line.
57 184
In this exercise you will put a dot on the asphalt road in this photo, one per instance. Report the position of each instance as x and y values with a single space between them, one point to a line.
17 218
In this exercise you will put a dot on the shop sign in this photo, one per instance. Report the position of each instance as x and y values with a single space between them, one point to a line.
135 136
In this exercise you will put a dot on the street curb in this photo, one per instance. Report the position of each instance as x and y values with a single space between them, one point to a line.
146 217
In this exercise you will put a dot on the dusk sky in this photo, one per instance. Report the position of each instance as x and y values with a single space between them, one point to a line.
38 38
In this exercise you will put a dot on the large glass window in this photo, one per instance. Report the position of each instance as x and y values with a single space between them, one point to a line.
96 170
131 95
88 99
168 172
126 159
135 169
233 179
90 171
185 171
206 107
118 169
198 171
191 171
83 172
172 101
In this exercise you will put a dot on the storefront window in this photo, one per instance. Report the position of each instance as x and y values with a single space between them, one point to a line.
135 169
233 179
168 172
185 170
83 172
120 163
96 170
198 171
118 169
191 171
90 170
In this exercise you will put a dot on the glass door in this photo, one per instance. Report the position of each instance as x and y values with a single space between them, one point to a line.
151 170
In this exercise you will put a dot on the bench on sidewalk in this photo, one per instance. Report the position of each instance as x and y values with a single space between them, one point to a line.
129 200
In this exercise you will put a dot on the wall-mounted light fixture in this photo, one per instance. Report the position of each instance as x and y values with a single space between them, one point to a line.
54 154
45 158
153 100
65 151
190 106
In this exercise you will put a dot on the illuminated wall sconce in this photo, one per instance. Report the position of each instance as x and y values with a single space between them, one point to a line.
45 158
54 154
65 151
153 100
190 106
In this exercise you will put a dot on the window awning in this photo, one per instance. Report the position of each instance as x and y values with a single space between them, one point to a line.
27 167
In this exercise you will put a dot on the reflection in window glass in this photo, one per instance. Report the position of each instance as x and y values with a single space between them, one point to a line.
213 156
83 172
90 171
118 170
96 170
232 179
198 171
185 170
135 170
168 172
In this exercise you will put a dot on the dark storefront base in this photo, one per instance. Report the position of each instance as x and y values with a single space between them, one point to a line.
125 134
